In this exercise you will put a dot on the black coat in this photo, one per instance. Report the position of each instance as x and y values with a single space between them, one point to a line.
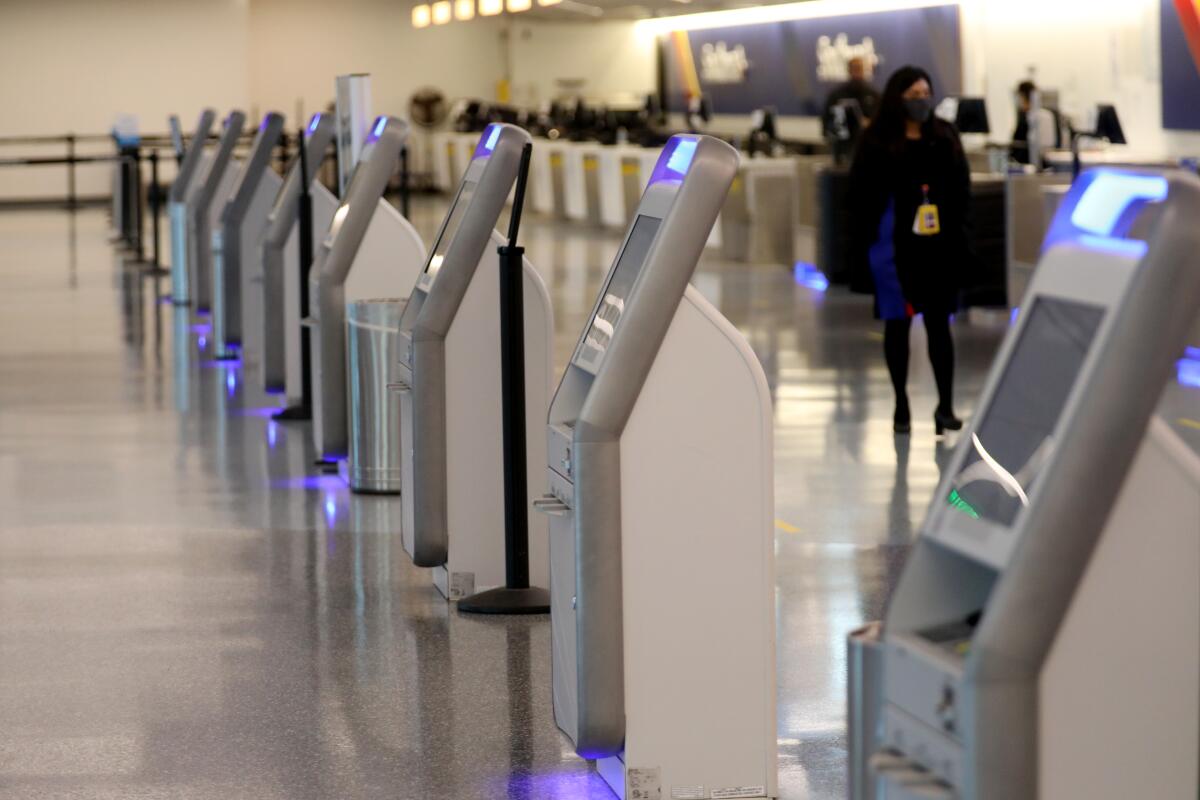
886 191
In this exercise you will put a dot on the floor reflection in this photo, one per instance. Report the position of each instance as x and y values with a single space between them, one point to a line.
191 610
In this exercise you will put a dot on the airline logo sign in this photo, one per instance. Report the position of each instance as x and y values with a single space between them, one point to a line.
793 64
1180 64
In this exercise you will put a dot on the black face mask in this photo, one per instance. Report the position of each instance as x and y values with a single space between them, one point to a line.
919 109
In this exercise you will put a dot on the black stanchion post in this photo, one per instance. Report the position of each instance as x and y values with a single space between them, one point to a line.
71 199
516 596
155 209
139 210
404 202
303 410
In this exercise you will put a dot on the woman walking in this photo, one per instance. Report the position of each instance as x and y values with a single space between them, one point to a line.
911 189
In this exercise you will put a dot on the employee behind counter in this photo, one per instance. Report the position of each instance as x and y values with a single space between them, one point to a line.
858 89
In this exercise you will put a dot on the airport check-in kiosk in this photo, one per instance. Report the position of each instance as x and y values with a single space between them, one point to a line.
281 358
191 171
347 267
195 284
452 473
235 244
1043 640
662 519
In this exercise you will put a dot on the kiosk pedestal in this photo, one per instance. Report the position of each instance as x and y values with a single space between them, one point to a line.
662 520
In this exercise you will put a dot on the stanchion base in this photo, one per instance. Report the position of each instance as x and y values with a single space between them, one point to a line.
151 271
503 600
298 413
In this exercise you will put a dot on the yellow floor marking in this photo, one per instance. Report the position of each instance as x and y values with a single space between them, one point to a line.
785 527
1189 423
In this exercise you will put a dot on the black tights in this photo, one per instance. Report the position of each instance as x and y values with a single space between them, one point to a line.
941 356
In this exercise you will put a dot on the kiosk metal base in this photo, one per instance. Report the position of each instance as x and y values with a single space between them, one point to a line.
299 413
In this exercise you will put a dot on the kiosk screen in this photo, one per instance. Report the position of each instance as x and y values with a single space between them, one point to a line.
1014 440
595 342
457 211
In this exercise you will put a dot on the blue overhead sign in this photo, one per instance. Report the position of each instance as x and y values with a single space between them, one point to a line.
794 64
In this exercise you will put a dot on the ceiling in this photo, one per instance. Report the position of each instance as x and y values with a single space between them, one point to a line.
582 10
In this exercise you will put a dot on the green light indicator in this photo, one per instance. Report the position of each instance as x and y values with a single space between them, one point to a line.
956 501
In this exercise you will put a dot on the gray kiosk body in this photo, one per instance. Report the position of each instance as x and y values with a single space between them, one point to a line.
177 199
249 195
327 278
465 234
1043 639
195 283
661 498
281 223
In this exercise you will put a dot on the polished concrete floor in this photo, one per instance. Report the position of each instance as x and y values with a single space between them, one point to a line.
186 611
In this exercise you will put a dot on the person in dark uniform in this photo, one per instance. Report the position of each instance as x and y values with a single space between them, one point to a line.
858 89
910 189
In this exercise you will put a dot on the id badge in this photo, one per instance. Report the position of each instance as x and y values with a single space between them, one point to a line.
927 222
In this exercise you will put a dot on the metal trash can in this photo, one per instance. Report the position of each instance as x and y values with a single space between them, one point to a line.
864 667
372 342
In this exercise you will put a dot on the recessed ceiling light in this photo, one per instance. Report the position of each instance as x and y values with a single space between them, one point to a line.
515 6
490 8
421 16
441 12
464 9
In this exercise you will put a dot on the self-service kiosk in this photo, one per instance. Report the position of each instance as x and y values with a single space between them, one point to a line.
1043 639
281 358
452 473
662 519
191 171
194 285
352 265
236 243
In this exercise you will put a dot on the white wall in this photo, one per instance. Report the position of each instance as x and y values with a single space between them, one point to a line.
297 47
607 55
1100 51
72 65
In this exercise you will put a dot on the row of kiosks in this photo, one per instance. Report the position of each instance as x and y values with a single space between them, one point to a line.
192 170
236 243
192 278
452 461
370 251
660 470
1043 639
282 364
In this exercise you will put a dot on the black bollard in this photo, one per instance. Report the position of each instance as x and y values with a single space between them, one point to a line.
516 596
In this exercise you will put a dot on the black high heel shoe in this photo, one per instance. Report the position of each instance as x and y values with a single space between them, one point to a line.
943 422
902 421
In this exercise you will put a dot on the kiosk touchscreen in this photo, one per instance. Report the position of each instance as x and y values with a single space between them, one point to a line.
281 366
195 283
236 241
452 473
661 504
190 171
346 267
1043 641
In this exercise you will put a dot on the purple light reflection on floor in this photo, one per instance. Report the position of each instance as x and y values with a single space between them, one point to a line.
310 483
554 786
265 412
808 275
201 327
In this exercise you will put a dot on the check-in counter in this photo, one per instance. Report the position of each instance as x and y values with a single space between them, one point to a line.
758 220
1025 210
567 180
541 185
1064 160
807 168
441 148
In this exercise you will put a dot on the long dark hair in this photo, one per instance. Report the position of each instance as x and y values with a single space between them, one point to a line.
888 126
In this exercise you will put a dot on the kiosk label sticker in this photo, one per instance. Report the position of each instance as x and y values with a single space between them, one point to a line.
644 783
739 791
688 793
